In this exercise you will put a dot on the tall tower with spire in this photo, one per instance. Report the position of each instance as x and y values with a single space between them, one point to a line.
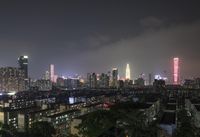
128 73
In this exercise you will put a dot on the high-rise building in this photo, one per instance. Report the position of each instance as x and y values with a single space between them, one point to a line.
47 75
104 81
89 80
52 74
94 80
176 71
12 79
114 77
23 65
128 73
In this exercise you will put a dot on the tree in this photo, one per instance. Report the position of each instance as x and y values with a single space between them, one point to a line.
124 118
95 123
132 120
42 129
7 130
185 129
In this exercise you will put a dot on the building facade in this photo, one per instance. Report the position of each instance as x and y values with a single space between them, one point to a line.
12 79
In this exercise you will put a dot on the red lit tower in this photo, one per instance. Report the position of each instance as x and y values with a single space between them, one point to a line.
176 72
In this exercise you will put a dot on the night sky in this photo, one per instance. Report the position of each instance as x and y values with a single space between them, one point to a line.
81 36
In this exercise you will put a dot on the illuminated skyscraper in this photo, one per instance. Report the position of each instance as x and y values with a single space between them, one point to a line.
176 71
128 73
51 70
23 65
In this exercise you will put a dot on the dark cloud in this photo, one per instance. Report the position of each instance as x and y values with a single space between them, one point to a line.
152 22
94 36
152 51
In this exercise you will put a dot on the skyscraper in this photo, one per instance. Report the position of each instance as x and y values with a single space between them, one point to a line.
128 74
51 74
115 77
23 65
89 77
94 80
176 70
46 76
104 81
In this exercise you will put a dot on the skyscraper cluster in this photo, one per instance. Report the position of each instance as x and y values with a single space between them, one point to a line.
109 80
17 79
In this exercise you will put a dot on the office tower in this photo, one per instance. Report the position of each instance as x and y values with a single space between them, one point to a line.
128 73
176 70
89 80
68 83
75 83
12 79
104 81
114 77
51 74
93 80
47 74
23 65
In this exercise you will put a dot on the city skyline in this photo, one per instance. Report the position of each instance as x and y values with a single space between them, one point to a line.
99 68
79 38
52 72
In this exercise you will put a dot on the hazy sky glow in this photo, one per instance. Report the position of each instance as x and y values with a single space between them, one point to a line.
94 36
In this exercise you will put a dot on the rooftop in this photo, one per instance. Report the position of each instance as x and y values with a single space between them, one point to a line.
63 113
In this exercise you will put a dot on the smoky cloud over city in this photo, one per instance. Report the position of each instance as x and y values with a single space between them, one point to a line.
95 36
